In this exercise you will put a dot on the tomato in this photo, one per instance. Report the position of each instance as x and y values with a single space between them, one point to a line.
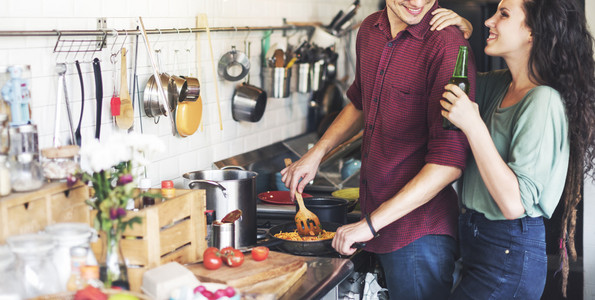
214 250
235 258
227 250
212 261
260 253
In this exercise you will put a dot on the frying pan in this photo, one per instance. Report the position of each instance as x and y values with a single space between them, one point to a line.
307 248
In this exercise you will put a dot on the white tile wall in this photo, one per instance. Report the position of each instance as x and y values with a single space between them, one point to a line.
283 118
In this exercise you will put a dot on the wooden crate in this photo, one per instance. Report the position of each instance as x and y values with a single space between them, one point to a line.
173 230
30 212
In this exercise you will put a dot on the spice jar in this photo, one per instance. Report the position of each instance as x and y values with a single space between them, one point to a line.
167 189
144 185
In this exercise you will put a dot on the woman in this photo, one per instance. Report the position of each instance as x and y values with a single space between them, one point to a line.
531 128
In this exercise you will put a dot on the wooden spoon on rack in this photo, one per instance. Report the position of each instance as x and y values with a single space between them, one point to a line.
307 222
126 117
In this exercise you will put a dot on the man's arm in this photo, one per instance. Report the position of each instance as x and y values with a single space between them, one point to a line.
430 180
347 124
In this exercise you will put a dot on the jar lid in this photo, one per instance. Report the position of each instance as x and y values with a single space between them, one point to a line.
144 183
67 151
31 243
69 233
25 158
167 184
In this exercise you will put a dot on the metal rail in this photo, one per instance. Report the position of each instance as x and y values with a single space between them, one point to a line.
105 32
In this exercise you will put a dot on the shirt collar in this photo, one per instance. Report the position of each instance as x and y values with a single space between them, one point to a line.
417 31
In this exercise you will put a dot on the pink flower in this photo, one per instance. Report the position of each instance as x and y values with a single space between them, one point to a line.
125 179
71 180
117 213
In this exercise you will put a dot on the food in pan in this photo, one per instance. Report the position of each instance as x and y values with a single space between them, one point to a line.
294 236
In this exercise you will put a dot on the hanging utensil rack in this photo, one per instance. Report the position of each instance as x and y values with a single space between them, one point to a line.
105 32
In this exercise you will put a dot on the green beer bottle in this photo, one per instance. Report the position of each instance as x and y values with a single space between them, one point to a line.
459 78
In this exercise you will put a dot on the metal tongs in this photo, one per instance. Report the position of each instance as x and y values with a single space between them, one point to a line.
61 70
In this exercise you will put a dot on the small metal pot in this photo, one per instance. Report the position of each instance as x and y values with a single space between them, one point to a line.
193 88
248 103
329 209
151 103
181 87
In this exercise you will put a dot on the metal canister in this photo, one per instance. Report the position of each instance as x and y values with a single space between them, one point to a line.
223 235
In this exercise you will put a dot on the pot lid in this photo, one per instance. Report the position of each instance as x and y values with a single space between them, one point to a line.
69 232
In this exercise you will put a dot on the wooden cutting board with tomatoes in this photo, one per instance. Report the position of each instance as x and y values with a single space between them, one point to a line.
250 271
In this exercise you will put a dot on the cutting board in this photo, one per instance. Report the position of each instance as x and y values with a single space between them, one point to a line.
250 272
276 287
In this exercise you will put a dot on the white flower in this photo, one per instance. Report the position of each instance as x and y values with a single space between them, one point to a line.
119 147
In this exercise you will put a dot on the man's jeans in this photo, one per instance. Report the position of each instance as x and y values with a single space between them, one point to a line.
422 269
501 259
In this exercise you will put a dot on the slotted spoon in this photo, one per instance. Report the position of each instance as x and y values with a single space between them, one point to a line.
307 222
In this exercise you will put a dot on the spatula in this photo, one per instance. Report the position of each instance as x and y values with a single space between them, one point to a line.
126 117
307 222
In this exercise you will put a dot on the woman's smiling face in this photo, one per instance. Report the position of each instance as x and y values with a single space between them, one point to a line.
509 34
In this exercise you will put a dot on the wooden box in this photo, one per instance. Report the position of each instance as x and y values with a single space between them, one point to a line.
173 230
30 212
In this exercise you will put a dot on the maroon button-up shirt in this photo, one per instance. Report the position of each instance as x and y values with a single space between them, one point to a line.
399 82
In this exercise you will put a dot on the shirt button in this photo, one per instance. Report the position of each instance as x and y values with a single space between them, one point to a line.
382 72
390 44
506 251
370 126
364 181
375 99
365 155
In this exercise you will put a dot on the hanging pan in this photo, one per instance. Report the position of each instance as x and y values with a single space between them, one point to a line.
248 102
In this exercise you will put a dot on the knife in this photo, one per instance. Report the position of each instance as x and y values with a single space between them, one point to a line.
98 95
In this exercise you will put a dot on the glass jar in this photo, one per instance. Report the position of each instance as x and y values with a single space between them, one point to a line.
5 185
23 139
9 286
60 162
26 173
68 236
35 272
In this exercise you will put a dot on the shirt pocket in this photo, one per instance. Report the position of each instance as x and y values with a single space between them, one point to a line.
404 112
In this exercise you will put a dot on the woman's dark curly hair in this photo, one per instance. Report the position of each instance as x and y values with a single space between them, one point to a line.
562 57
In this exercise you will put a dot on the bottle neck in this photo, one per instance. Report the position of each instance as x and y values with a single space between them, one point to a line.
460 70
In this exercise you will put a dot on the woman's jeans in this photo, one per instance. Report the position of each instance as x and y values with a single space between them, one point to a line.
501 259
422 269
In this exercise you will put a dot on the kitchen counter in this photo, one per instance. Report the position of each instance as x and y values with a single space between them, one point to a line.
322 276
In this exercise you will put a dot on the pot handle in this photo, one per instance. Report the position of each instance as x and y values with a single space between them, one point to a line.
234 167
211 182
351 206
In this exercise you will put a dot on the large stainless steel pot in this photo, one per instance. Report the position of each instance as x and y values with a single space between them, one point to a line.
227 190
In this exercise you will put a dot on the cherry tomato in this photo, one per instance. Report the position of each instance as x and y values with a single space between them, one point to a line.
214 250
235 258
212 261
227 250
260 253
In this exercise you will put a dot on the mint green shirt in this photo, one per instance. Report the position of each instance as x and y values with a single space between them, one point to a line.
531 137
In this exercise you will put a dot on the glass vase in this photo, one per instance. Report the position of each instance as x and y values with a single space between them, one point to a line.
112 268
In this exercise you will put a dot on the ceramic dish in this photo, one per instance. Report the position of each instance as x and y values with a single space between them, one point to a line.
278 197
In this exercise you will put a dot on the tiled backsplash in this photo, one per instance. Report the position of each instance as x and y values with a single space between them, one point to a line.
283 117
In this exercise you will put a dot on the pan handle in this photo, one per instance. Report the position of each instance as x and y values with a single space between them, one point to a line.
234 167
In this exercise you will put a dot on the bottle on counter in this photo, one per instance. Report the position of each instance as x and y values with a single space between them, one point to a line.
90 274
78 258
167 189
459 78
144 185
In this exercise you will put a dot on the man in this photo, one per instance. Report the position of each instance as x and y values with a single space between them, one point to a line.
408 160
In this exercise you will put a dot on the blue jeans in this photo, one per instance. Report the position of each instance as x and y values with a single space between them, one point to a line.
501 259
422 269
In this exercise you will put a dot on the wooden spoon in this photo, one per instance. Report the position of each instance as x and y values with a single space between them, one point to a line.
307 222
126 117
